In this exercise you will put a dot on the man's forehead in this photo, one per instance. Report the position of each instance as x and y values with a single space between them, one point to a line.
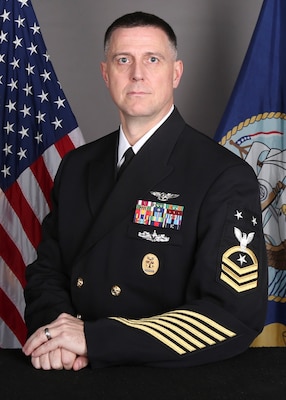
138 33
152 38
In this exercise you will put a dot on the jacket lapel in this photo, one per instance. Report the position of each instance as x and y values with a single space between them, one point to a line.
102 173
149 166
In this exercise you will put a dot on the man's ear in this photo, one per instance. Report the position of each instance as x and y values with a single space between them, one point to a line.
103 68
178 72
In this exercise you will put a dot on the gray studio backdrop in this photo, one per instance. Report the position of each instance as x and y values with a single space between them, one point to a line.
213 36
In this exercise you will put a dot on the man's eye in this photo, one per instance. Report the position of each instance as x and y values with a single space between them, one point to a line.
153 59
123 60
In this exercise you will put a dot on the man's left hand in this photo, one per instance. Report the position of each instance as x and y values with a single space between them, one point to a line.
66 333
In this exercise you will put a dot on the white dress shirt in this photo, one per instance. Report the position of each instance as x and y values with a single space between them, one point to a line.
124 144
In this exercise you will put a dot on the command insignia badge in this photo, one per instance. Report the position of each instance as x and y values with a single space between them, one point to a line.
150 264
239 268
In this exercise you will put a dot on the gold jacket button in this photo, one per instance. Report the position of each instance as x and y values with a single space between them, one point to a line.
79 282
115 290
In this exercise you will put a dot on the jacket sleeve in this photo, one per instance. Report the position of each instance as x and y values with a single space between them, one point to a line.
47 290
226 292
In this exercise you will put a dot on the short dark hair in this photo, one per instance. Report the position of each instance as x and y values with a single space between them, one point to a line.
137 19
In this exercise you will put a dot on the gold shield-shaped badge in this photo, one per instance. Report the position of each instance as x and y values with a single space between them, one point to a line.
150 264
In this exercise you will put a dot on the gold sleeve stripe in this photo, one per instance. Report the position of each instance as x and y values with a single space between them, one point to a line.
186 314
181 330
192 330
203 328
208 321
167 329
154 333
192 321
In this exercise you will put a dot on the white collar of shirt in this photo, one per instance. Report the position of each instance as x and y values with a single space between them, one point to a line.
124 144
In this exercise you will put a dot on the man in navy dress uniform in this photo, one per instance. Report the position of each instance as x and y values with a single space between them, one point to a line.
160 263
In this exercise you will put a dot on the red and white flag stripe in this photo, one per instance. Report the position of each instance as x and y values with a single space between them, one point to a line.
22 209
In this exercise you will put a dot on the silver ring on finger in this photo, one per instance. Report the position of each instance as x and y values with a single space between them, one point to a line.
47 333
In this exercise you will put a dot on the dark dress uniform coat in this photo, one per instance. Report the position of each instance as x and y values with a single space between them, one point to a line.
154 291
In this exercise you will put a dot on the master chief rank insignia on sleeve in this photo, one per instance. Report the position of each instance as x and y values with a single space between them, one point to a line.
239 265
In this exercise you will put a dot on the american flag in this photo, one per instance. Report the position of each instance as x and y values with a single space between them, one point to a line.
37 129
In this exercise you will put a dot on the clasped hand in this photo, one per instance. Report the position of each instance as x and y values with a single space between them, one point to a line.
66 348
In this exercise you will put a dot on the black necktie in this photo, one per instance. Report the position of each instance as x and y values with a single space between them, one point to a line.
128 155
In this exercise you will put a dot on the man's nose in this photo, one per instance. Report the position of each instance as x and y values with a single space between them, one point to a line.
137 71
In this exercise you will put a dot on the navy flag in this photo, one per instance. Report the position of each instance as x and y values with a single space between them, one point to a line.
254 127
37 129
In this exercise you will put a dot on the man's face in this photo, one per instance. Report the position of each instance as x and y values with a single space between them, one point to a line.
141 72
